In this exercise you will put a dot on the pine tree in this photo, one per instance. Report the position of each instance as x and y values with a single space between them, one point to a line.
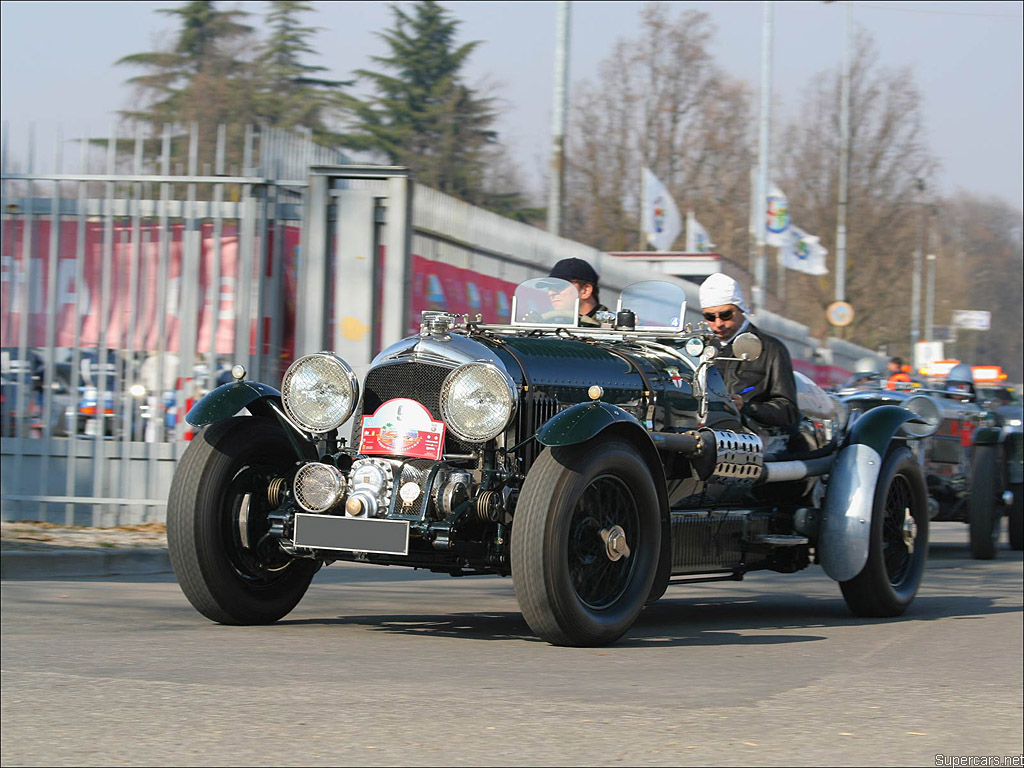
291 93
203 78
422 114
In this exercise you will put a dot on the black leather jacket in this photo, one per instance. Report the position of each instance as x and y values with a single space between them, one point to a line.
772 401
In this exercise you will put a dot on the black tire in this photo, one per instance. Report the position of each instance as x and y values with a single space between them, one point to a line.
227 582
897 552
569 589
986 507
1015 521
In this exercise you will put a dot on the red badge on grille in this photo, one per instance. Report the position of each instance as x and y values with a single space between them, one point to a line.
402 427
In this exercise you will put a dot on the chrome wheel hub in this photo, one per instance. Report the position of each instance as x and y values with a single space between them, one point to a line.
615 545
909 529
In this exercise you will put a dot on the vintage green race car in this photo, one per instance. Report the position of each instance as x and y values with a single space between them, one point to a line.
597 466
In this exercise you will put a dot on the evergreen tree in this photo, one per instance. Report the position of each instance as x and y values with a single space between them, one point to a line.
422 114
203 78
291 93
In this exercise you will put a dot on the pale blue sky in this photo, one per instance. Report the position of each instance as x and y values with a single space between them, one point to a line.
56 65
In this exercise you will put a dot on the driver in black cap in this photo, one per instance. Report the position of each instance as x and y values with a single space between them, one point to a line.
584 278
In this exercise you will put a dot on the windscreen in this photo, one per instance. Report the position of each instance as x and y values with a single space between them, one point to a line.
657 305
546 301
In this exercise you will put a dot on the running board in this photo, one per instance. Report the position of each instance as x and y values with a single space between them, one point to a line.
781 539
730 576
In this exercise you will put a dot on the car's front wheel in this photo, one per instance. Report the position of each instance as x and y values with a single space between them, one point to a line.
585 542
217 521
898 541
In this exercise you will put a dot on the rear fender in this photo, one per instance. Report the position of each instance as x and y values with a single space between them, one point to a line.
846 519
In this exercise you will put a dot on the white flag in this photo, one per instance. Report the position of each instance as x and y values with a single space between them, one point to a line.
777 221
697 239
659 218
803 252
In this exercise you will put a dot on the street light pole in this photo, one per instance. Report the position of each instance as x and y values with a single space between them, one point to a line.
929 312
760 272
915 288
558 119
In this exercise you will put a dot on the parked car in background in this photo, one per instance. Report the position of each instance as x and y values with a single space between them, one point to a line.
24 384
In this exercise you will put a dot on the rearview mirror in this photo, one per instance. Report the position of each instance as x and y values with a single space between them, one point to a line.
747 347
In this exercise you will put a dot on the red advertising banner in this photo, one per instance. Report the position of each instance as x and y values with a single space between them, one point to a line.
83 285
442 287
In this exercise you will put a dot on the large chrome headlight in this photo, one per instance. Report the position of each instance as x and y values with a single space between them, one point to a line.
320 392
477 401
928 416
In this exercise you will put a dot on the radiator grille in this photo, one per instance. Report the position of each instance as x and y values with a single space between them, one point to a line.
542 408
416 381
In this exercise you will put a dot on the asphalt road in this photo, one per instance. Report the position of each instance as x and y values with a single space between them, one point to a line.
382 666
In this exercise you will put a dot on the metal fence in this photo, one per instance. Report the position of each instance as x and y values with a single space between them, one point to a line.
128 286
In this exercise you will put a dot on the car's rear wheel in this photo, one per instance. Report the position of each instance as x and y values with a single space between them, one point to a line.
217 520
986 506
585 542
898 544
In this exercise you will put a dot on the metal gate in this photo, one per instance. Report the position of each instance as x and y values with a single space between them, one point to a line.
129 286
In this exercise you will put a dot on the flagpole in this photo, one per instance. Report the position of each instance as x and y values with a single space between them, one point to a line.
643 210
844 161
780 289
763 149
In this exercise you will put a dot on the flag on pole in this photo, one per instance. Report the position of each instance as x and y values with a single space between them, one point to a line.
777 220
803 252
697 239
659 218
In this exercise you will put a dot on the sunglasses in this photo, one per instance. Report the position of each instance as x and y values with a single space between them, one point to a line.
725 314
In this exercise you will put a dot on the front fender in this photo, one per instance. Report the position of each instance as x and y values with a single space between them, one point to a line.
988 435
582 422
261 400
846 519
227 400
585 421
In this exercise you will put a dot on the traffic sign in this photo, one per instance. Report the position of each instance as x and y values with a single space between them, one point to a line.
839 313
972 319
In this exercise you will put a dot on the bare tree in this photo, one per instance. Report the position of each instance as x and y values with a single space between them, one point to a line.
660 102
891 169
980 265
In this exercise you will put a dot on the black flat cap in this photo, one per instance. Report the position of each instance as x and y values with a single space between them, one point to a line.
574 269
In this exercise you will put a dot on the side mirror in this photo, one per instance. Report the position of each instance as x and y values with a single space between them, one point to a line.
747 347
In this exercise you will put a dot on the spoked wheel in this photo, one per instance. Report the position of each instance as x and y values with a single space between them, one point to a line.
898 544
986 506
217 524
585 543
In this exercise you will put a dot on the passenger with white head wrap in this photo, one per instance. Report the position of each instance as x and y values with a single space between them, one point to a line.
763 389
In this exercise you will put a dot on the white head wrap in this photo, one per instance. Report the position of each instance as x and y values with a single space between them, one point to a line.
720 289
